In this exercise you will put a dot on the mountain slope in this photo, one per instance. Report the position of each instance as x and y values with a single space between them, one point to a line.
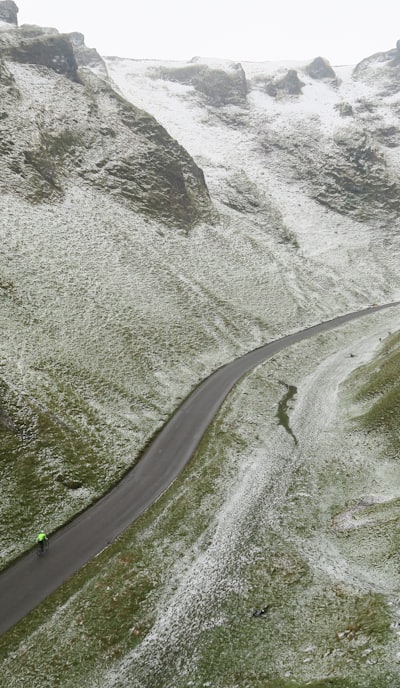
335 135
127 275
158 219
61 127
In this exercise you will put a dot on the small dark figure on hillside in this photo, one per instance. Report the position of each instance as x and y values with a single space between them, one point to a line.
260 612
42 539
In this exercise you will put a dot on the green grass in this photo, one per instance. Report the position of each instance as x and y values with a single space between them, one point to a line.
111 606
377 387
44 459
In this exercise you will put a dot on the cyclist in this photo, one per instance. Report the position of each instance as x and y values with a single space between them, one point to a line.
41 539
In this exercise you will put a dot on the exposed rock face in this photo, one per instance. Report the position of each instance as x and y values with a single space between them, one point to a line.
52 51
342 146
217 85
8 12
86 57
87 131
396 55
290 83
347 173
320 68
141 162
43 46
33 31
9 95
287 85
345 109
110 144
357 180
383 68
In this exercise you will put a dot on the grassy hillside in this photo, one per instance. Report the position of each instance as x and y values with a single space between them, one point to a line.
378 390
253 522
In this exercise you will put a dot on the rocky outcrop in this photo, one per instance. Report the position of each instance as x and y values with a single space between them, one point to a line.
348 172
396 55
388 136
9 12
357 179
289 84
86 57
382 69
139 161
89 133
32 31
344 109
45 46
6 78
280 86
218 86
52 51
320 69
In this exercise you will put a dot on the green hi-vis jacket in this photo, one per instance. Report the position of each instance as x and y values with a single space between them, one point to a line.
41 537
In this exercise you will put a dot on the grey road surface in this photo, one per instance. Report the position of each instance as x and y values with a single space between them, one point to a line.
31 579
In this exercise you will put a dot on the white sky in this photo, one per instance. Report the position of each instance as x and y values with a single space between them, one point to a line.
343 31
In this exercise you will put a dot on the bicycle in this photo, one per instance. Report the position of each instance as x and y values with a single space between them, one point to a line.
41 552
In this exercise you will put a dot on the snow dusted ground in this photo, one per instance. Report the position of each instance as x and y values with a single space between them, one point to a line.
111 319
274 538
276 487
231 157
271 492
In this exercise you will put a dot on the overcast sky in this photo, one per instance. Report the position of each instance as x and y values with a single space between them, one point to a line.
343 31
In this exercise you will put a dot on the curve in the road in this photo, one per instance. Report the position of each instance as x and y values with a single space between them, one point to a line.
31 579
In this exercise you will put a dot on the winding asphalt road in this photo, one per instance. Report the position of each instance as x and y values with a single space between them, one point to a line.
31 579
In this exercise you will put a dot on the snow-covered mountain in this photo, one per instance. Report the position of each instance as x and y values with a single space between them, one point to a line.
332 135
158 219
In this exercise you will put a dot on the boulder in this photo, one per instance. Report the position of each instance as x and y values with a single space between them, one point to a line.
8 12
344 109
289 84
219 86
320 68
